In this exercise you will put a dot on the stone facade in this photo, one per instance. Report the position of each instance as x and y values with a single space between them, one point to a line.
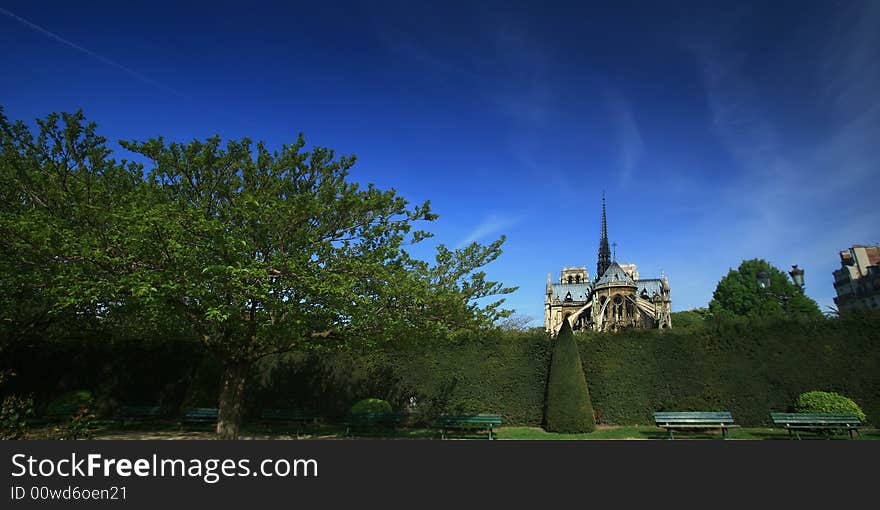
857 282
616 299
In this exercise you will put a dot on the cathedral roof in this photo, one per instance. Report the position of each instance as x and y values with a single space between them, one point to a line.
615 275
579 291
650 286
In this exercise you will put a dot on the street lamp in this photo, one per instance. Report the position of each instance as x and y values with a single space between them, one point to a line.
763 280
797 276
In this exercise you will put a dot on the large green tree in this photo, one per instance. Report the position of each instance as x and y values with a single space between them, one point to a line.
739 295
257 252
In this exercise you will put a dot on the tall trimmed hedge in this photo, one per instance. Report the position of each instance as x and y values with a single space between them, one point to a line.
749 368
569 409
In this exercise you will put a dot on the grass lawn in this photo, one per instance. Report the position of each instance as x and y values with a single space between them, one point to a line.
648 432
169 430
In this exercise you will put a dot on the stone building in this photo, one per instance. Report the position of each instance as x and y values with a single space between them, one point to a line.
857 282
616 299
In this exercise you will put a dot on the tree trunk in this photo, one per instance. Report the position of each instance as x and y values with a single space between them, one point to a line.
229 414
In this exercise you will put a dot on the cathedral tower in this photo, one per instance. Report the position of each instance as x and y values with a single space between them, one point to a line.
604 250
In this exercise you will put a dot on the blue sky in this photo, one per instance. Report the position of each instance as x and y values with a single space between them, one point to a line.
718 133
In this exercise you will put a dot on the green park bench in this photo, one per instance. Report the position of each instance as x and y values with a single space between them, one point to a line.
372 421
695 420
296 417
487 422
138 413
201 415
796 423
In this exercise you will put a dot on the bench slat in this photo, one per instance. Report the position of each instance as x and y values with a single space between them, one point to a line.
814 418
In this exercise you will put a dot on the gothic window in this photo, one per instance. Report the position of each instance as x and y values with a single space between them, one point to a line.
577 279
569 279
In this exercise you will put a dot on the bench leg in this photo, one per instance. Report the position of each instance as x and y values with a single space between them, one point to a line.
491 430
725 433
443 433
671 435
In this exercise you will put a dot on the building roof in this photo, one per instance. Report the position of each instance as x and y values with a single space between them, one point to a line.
615 275
650 287
579 291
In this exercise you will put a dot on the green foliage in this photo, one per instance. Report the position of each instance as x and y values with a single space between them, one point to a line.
687 319
827 402
747 367
738 294
14 413
371 406
70 402
569 408
251 251
490 372
80 426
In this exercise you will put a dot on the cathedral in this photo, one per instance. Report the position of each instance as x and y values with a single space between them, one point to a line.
616 299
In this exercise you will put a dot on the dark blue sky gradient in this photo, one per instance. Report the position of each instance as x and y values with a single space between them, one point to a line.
719 132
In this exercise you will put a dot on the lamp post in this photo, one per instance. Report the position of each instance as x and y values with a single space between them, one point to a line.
797 276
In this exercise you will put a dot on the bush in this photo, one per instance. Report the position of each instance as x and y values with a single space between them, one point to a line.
80 425
569 409
70 403
371 406
14 413
490 372
747 367
827 402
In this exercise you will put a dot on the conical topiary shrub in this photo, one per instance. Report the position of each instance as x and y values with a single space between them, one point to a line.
569 409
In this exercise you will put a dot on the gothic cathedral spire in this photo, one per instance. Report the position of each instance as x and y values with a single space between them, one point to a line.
604 249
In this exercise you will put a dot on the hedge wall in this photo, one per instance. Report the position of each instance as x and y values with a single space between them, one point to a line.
747 368
499 373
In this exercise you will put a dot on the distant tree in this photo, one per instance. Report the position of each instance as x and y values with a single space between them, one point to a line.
569 408
739 295
693 318
516 322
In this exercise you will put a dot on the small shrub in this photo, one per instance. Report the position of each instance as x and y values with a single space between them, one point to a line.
827 402
371 406
70 403
80 426
14 414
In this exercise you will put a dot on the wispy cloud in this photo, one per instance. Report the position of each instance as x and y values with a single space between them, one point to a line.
629 139
798 202
97 56
492 225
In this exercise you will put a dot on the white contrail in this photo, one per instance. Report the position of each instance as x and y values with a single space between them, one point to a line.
90 53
